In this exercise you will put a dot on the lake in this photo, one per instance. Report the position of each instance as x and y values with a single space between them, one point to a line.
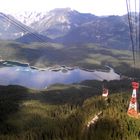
15 73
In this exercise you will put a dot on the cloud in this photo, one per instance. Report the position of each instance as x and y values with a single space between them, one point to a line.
97 7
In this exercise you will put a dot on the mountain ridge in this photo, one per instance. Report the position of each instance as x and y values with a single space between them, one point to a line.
67 26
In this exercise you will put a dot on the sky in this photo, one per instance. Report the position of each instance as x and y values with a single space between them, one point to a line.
97 7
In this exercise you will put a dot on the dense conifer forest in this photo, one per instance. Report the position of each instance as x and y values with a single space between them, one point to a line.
62 112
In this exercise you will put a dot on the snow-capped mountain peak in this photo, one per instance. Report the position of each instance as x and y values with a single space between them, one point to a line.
54 23
29 17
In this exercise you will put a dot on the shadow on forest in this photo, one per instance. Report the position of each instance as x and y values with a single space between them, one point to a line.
34 125
10 99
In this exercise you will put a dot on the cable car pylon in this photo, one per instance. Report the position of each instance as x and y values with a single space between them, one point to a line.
133 105
133 13
105 91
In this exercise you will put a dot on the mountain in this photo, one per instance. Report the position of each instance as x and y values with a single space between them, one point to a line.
11 28
67 26
70 26
111 31
57 22
33 37
28 18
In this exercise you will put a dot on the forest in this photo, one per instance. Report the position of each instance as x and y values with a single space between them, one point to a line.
62 112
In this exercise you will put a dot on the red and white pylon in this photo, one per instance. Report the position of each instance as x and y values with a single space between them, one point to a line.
105 92
133 105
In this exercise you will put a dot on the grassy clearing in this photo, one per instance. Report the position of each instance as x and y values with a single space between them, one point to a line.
49 54
88 56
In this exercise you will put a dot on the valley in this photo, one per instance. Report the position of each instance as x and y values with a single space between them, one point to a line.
88 56
53 68
63 111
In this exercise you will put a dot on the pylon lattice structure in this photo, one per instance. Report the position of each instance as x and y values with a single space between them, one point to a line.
105 92
133 105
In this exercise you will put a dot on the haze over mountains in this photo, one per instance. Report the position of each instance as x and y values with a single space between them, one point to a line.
66 26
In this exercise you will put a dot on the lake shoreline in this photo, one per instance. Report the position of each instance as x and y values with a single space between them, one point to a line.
53 67
17 73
